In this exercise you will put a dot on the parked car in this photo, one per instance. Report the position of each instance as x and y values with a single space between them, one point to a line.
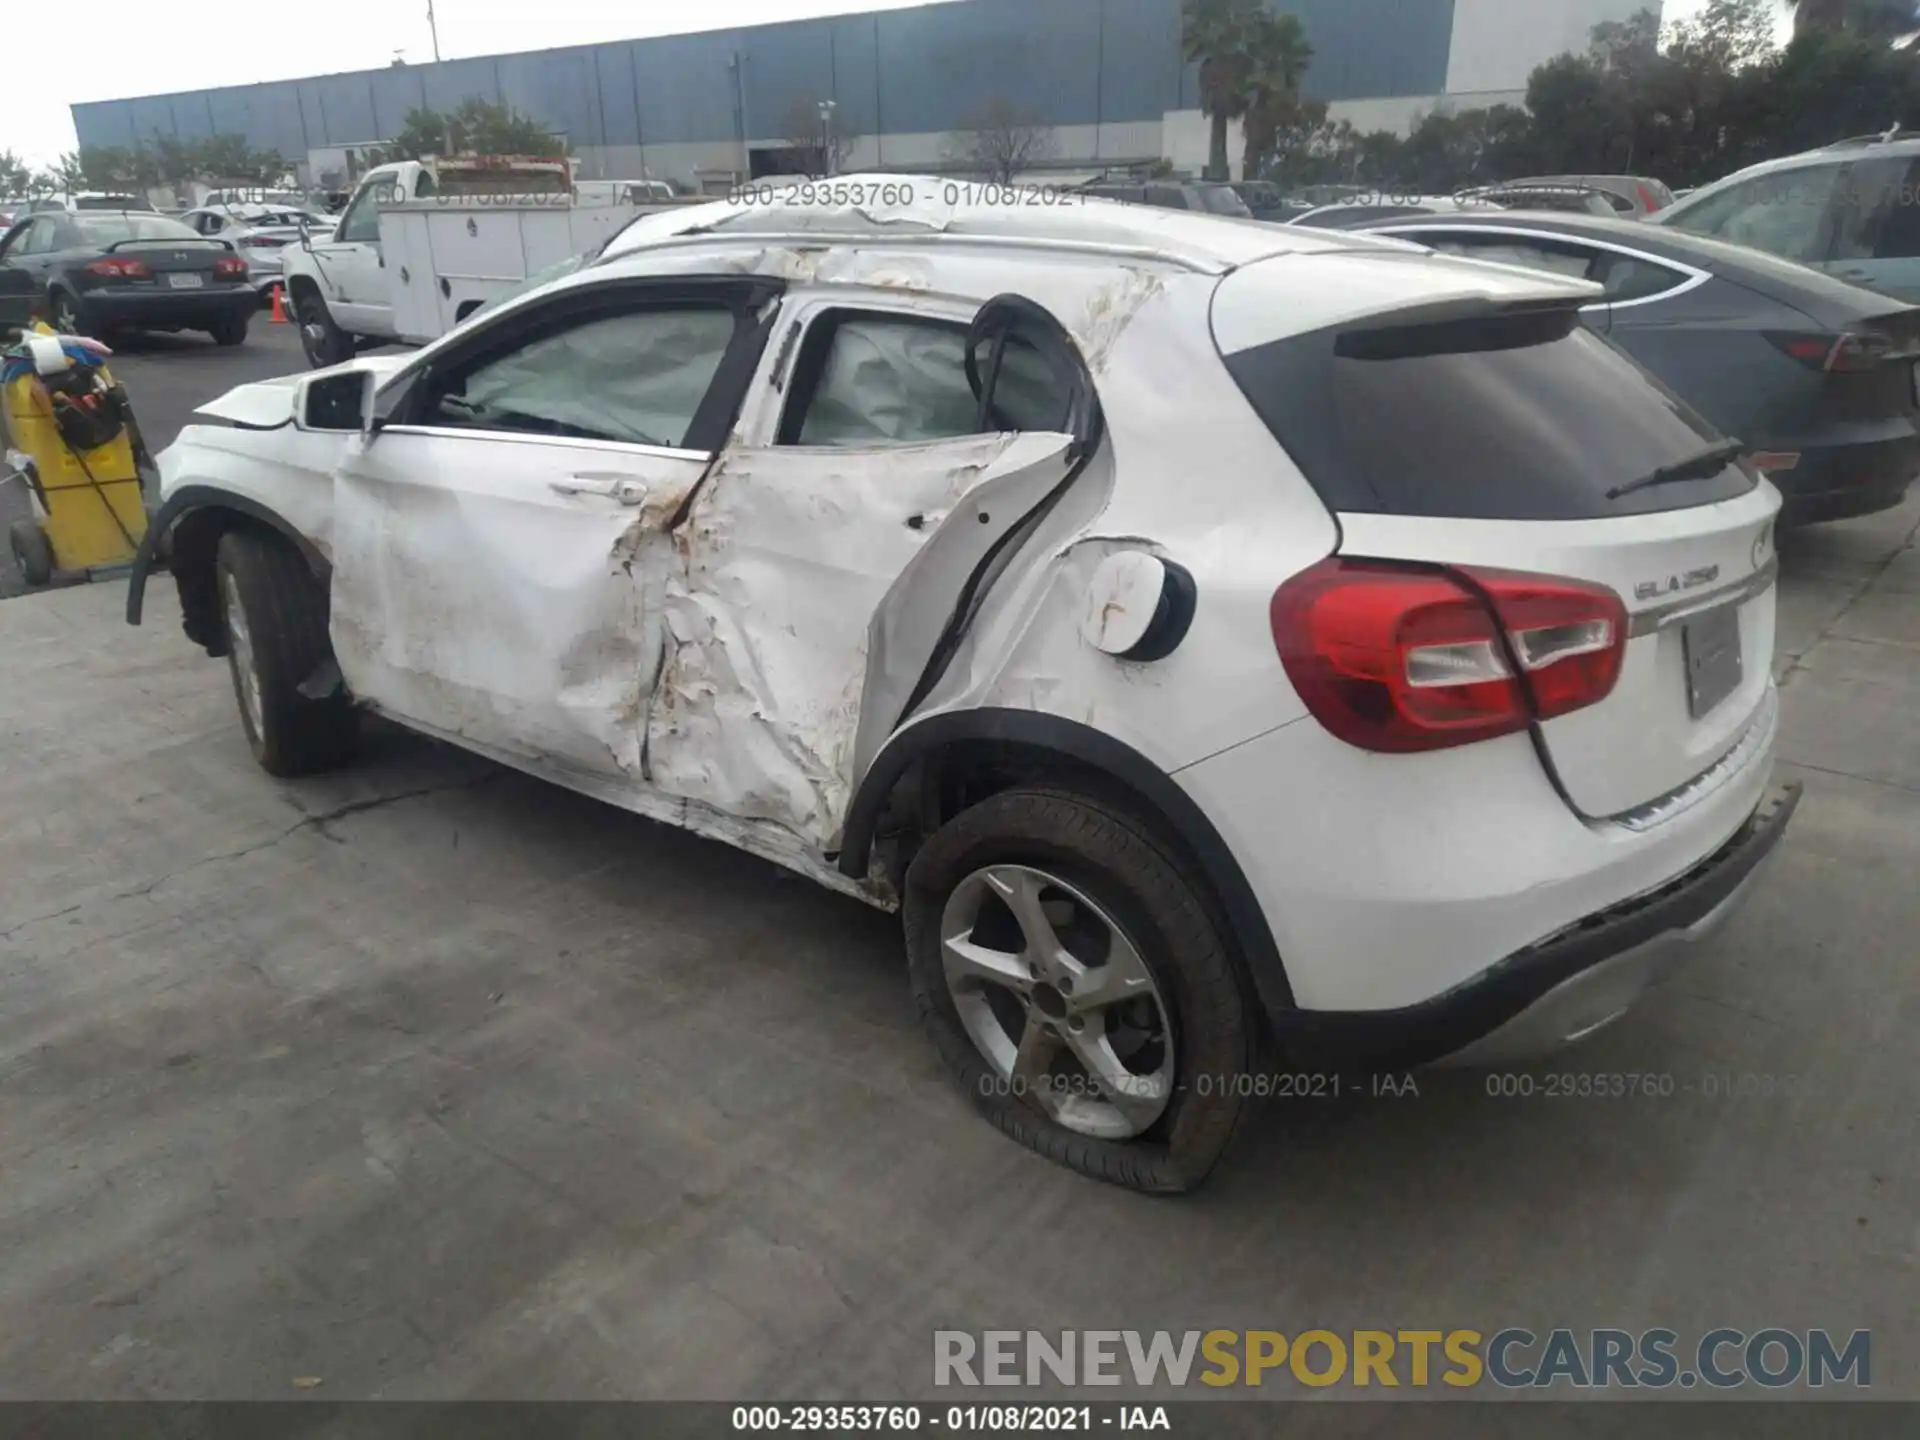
1203 196
1852 210
1817 377
89 200
259 233
1634 197
103 271
1203 632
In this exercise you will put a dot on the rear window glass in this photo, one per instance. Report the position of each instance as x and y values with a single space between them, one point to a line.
1528 419
112 229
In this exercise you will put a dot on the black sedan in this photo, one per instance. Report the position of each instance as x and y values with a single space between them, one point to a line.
103 271
1820 380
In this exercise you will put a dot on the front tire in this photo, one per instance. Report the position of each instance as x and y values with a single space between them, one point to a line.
275 614
323 342
1071 975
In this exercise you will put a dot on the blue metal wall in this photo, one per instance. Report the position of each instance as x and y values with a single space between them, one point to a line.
1077 62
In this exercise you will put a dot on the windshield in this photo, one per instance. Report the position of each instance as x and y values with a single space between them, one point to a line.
1220 200
113 229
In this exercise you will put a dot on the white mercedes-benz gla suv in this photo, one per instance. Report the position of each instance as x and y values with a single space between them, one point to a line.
1229 646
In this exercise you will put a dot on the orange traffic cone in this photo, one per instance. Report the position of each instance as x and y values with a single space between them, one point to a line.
279 316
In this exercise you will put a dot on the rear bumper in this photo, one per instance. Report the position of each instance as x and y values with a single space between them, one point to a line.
1835 481
1559 990
176 309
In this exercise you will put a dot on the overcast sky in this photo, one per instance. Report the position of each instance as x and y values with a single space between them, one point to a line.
118 48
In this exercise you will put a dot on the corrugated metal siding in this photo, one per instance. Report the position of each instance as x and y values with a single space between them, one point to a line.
1077 62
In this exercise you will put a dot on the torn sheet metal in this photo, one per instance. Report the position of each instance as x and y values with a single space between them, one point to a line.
780 567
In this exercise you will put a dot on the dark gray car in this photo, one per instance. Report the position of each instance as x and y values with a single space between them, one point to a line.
1819 379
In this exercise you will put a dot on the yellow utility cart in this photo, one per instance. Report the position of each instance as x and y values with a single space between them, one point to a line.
71 441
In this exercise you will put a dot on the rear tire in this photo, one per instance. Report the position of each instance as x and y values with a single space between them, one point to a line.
230 332
1093 866
32 551
323 342
275 615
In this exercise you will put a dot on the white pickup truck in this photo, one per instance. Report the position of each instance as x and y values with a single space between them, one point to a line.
423 244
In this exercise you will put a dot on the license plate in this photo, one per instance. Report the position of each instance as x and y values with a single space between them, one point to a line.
1714 665
184 282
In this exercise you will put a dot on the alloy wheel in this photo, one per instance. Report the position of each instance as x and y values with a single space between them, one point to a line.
246 672
1057 999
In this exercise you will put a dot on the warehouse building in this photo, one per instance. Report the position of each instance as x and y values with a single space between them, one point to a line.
1104 76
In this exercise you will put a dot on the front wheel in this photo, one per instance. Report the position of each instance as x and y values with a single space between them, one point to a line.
32 551
323 342
275 613
1072 977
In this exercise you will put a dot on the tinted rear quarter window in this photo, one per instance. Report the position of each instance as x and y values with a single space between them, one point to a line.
1527 418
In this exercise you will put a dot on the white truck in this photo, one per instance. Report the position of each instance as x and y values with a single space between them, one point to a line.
423 244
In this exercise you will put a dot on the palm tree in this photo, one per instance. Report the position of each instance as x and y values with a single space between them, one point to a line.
1219 35
1873 19
1280 56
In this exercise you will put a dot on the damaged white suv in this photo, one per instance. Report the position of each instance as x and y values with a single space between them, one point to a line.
1228 645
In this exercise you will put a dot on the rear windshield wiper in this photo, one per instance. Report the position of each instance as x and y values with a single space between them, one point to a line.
1695 467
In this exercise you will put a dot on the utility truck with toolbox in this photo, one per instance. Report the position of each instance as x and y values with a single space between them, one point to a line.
424 244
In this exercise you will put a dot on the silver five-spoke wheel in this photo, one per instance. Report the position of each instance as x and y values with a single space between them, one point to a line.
1057 999
246 670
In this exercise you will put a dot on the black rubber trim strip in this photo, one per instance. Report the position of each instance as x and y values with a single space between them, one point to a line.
207 497
1172 617
1178 809
1434 1029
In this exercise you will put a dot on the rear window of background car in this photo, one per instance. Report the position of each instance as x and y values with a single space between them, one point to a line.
105 229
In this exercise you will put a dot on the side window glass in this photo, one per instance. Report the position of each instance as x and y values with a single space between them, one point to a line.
1574 264
1898 236
1167 197
423 185
39 240
361 223
877 380
1026 392
636 377
1784 213
1628 279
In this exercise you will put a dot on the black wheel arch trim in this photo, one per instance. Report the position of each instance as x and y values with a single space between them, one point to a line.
189 498
1173 805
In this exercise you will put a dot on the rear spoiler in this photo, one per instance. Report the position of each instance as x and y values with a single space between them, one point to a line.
1459 326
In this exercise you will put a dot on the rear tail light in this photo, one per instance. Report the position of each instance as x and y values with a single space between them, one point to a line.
1847 354
120 267
230 267
1401 658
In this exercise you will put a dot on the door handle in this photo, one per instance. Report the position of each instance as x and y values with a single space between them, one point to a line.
623 488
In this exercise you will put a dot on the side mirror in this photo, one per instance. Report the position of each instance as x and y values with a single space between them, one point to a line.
339 401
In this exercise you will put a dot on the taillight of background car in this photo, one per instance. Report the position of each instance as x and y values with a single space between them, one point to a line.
1400 659
230 267
1844 354
119 267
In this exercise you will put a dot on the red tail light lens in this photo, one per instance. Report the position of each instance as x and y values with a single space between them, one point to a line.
1848 354
230 267
1399 658
119 267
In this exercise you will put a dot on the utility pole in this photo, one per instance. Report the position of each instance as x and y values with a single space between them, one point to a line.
827 157
436 32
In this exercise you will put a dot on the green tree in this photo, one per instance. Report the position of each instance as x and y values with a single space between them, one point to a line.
15 174
1219 35
481 127
1279 57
